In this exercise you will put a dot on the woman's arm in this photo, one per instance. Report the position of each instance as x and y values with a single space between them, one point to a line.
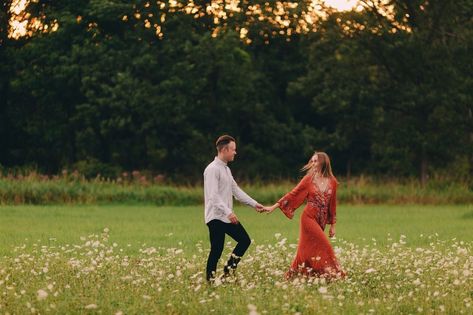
332 211
293 199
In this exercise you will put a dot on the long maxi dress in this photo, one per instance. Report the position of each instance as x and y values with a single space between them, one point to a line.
315 255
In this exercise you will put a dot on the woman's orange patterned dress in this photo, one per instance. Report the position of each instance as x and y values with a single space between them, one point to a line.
315 255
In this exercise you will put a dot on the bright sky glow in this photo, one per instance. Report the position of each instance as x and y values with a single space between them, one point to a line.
342 5
277 15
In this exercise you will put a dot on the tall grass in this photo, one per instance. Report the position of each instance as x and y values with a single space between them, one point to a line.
95 276
118 259
134 188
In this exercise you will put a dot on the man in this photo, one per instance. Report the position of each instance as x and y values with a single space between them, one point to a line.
219 188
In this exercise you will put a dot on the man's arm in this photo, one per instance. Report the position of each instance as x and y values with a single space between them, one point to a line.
243 197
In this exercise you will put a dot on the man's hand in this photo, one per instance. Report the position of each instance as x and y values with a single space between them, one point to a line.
233 218
259 208
331 232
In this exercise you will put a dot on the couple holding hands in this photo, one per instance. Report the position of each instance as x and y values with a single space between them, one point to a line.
315 255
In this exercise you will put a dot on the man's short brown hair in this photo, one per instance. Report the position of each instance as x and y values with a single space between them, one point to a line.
222 141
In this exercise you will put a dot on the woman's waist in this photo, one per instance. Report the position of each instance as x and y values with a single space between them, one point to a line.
315 206
313 211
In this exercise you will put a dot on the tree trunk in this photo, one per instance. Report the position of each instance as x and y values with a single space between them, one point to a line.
348 171
470 114
423 168
104 150
5 16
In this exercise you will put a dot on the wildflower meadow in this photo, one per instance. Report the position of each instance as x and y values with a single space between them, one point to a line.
151 260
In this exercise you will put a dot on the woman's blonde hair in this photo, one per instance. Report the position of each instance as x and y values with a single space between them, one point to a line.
325 166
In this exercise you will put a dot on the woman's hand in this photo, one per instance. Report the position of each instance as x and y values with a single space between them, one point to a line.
331 232
271 208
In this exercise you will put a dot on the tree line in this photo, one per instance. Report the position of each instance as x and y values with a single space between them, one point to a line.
111 86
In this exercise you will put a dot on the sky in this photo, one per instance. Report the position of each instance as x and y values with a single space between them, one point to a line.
19 26
342 5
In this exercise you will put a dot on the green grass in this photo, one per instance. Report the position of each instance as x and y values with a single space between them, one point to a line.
152 225
160 252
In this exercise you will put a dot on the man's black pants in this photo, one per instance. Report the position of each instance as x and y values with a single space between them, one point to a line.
217 231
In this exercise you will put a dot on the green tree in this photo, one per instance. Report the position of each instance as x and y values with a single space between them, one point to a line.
5 75
390 87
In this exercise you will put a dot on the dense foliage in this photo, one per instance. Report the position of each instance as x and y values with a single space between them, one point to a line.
124 85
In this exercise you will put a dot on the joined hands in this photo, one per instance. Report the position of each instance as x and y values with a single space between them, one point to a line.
266 209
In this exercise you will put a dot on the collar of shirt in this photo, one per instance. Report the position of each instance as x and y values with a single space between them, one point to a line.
220 162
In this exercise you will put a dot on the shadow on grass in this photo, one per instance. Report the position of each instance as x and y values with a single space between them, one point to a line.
468 215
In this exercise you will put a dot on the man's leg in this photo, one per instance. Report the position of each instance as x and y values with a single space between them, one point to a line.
238 233
217 240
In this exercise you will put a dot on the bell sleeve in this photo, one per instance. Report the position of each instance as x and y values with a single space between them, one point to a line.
294 199
332 210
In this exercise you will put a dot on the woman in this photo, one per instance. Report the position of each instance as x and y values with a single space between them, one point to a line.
315 255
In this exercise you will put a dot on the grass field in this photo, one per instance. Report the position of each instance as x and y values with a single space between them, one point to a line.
136 225
400 259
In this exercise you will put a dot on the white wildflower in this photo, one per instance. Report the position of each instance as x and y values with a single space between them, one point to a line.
91 307
323 290
42 294
252 309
